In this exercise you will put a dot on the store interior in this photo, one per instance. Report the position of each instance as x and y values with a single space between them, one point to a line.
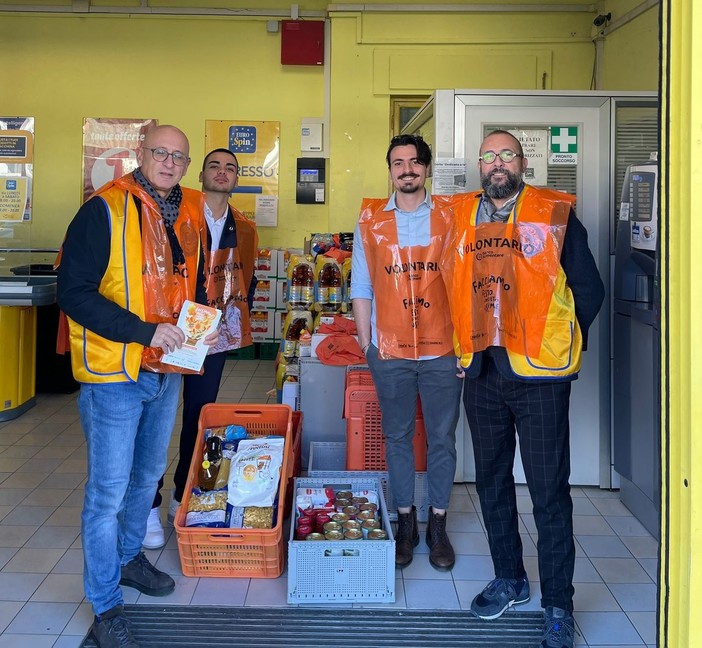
67 62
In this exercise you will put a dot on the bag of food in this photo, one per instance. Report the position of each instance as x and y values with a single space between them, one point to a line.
254 473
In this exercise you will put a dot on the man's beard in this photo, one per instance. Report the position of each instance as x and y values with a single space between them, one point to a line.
408 189
503 190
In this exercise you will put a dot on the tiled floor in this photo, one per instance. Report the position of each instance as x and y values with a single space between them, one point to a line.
42 470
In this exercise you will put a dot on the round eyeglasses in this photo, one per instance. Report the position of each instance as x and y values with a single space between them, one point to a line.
161 155
505 155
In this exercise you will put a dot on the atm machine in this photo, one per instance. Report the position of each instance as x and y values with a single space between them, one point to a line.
636 346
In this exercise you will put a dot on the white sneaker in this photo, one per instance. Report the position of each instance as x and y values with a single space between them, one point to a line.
155 538
173 507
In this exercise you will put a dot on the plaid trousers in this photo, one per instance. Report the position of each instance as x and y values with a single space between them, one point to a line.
496 408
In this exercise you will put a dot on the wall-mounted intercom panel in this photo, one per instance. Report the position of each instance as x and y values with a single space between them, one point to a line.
311 180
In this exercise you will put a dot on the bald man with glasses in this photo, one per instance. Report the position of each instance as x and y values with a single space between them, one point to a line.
524 289
131 257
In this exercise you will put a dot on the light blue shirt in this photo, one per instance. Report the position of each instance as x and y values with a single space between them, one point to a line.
413 230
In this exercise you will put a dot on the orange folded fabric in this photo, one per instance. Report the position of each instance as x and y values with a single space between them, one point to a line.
341 324
340 349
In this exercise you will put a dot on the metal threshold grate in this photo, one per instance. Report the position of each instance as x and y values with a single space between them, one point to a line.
304 627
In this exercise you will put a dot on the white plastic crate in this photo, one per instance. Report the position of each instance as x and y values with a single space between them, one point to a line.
342 571
328 459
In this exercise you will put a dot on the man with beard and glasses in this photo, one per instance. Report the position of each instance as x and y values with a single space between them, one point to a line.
131 257
404 328
524 289
232 246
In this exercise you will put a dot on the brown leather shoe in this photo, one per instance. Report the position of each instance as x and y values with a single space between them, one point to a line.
407 538
441 554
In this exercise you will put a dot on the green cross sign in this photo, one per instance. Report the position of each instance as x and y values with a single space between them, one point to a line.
564 139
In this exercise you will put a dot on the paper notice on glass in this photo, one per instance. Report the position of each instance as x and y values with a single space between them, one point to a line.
449 175
197 322
266 211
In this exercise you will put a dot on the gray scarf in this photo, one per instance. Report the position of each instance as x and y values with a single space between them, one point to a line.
169 208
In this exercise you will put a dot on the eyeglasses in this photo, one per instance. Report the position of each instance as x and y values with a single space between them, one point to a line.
505 155
161 155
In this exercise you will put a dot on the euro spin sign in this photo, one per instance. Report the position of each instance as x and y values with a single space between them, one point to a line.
256 145
563 145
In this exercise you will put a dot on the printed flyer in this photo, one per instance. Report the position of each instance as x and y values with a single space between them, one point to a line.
16 168
197 322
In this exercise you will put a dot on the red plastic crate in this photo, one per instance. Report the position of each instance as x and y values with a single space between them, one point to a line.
365 443
241 553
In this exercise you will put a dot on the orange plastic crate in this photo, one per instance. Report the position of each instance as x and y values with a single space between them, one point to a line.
296 470
237 553
357 383
365 443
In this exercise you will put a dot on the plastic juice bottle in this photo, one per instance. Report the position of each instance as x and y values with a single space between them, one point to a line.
302 286
349 303
208 476
292 337
329 283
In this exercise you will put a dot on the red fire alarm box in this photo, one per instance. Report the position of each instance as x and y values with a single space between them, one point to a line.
302 42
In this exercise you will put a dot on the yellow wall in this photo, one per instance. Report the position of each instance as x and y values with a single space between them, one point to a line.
631 52
178 71
68 67
393 55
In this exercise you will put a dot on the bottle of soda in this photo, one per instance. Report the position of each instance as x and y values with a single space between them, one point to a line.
329 284
302 286
207 476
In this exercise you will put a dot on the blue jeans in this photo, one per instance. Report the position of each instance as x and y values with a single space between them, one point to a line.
397 383
127 428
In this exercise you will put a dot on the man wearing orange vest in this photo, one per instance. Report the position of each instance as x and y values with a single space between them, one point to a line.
404 328
131 257
232 244
524 289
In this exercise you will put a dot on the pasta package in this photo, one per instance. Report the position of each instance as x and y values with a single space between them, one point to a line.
254 473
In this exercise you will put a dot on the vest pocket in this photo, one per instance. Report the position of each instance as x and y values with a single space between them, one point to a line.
556 351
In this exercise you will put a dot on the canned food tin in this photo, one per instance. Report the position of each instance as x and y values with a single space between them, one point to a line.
353 534
334 535
306 519
366 515
350 511
302 531
377 534
315 536
331 526
341 503
351 524
320 521
357 501
368 526
369 506
340 518
344 494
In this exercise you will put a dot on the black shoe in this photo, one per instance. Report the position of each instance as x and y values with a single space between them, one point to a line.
441 553
559 628
407 538
113 630
140 574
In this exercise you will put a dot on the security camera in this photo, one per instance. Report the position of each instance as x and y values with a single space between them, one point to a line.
602 19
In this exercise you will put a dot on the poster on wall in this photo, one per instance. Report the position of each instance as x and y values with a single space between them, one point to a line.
256 145
16 168
535 147
109 149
